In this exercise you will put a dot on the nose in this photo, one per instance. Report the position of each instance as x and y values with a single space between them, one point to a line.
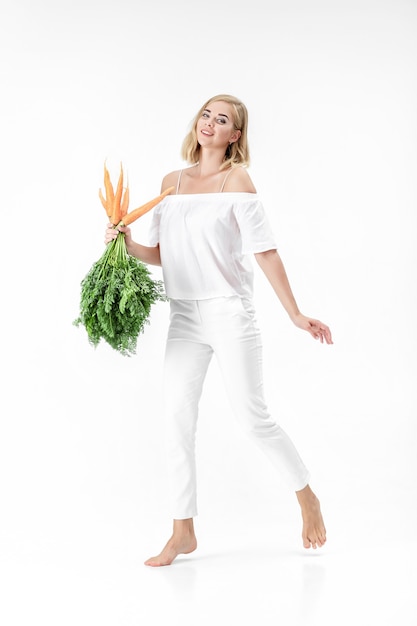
209 122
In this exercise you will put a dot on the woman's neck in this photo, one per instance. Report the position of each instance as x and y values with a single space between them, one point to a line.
209 163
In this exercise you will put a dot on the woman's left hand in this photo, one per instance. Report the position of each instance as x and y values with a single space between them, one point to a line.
317 329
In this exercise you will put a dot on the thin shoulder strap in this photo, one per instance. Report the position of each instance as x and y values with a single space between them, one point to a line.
225 178
178 182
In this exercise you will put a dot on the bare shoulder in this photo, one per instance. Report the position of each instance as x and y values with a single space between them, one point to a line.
170 180
239 180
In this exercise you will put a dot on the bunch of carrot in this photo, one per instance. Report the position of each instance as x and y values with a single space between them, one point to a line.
116 202
118 292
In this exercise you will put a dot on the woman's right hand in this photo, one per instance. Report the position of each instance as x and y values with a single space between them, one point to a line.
112 232
146 254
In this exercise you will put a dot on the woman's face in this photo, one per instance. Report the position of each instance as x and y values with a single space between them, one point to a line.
215 127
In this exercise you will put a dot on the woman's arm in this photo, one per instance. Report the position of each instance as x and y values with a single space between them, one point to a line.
273 268
146 254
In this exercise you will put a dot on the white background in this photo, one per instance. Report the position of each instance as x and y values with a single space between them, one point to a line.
332 97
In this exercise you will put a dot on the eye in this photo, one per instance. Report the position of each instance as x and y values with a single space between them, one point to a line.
205 114
221 120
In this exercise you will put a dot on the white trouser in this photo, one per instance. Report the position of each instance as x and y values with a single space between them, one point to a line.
227 328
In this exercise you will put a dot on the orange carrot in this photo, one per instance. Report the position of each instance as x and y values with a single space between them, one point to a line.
125 202
136 213
116 215
109 189
104 203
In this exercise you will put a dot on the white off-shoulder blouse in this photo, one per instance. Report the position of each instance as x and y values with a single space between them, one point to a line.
205 240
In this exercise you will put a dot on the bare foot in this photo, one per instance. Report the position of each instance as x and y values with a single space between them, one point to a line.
183 541
314 531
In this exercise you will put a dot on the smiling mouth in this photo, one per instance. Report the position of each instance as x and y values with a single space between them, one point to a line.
207 133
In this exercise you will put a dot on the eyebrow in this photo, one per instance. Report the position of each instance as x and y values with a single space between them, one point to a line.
220 114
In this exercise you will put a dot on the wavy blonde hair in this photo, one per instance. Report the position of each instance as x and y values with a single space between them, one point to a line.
238 152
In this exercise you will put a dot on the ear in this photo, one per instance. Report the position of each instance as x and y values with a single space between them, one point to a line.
235 136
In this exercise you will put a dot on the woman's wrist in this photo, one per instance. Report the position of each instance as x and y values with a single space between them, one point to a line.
295 316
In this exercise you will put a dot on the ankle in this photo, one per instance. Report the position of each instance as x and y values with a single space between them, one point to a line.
306 496
184 526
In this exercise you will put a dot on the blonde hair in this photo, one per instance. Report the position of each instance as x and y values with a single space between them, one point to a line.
238 152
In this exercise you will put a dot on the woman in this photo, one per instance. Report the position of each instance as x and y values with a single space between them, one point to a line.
201 235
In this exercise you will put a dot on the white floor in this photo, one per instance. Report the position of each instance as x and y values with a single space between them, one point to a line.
90 572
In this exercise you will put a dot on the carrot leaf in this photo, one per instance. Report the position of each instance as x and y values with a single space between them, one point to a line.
117 295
